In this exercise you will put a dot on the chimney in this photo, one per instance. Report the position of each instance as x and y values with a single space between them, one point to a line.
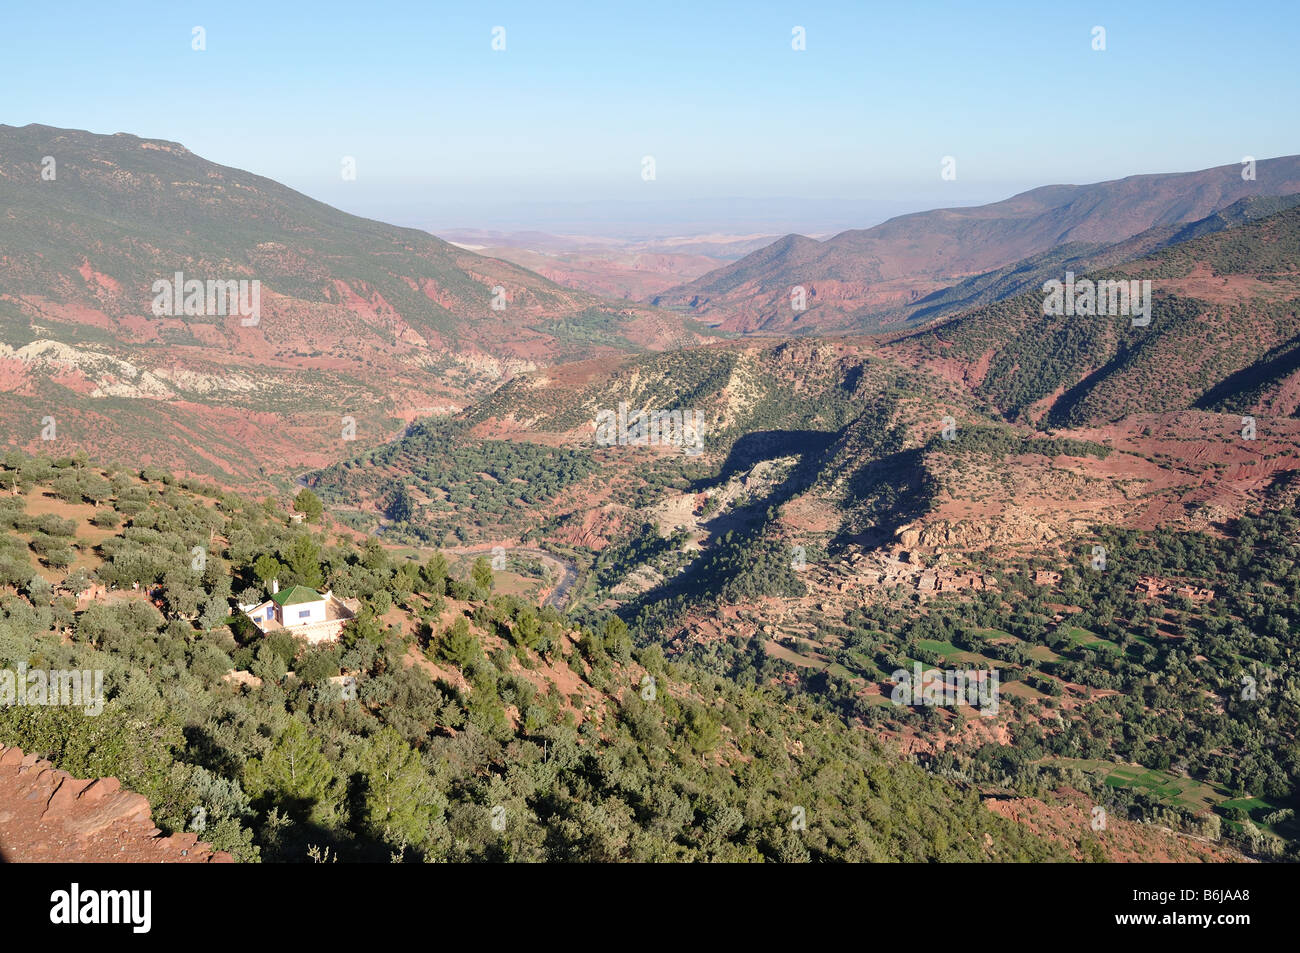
275 586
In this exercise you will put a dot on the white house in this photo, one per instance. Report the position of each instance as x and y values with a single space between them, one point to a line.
302 611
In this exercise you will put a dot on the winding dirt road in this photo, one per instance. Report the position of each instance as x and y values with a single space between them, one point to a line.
565 570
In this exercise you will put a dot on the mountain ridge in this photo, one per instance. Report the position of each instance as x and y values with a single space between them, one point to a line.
855 276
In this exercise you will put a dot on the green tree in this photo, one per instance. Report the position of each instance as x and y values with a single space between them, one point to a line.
434 574
400 802
267 568
295 774
308 504
95 488
400 508
481 574
303 558
458 644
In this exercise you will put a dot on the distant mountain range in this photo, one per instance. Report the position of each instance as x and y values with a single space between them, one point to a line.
611 267
871 278
385 325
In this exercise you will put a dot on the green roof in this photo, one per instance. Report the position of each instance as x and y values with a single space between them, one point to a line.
296 594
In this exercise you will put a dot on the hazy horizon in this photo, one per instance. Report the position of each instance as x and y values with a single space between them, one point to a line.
647 219
522 118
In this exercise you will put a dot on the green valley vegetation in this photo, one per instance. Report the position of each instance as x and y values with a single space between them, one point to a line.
449 483
447 723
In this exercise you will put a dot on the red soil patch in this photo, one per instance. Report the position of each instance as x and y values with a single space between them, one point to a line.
93 277
1068 820
48 816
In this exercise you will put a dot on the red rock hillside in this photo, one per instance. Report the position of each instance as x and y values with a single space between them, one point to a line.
48 816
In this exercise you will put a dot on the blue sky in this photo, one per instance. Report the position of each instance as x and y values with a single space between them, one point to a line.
445 129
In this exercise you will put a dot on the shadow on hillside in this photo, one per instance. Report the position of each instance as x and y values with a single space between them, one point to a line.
1063 408
894 490
1240 383
763 445
292 842
296 842
747 525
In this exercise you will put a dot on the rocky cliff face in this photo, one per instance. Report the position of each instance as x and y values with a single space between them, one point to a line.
47 815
